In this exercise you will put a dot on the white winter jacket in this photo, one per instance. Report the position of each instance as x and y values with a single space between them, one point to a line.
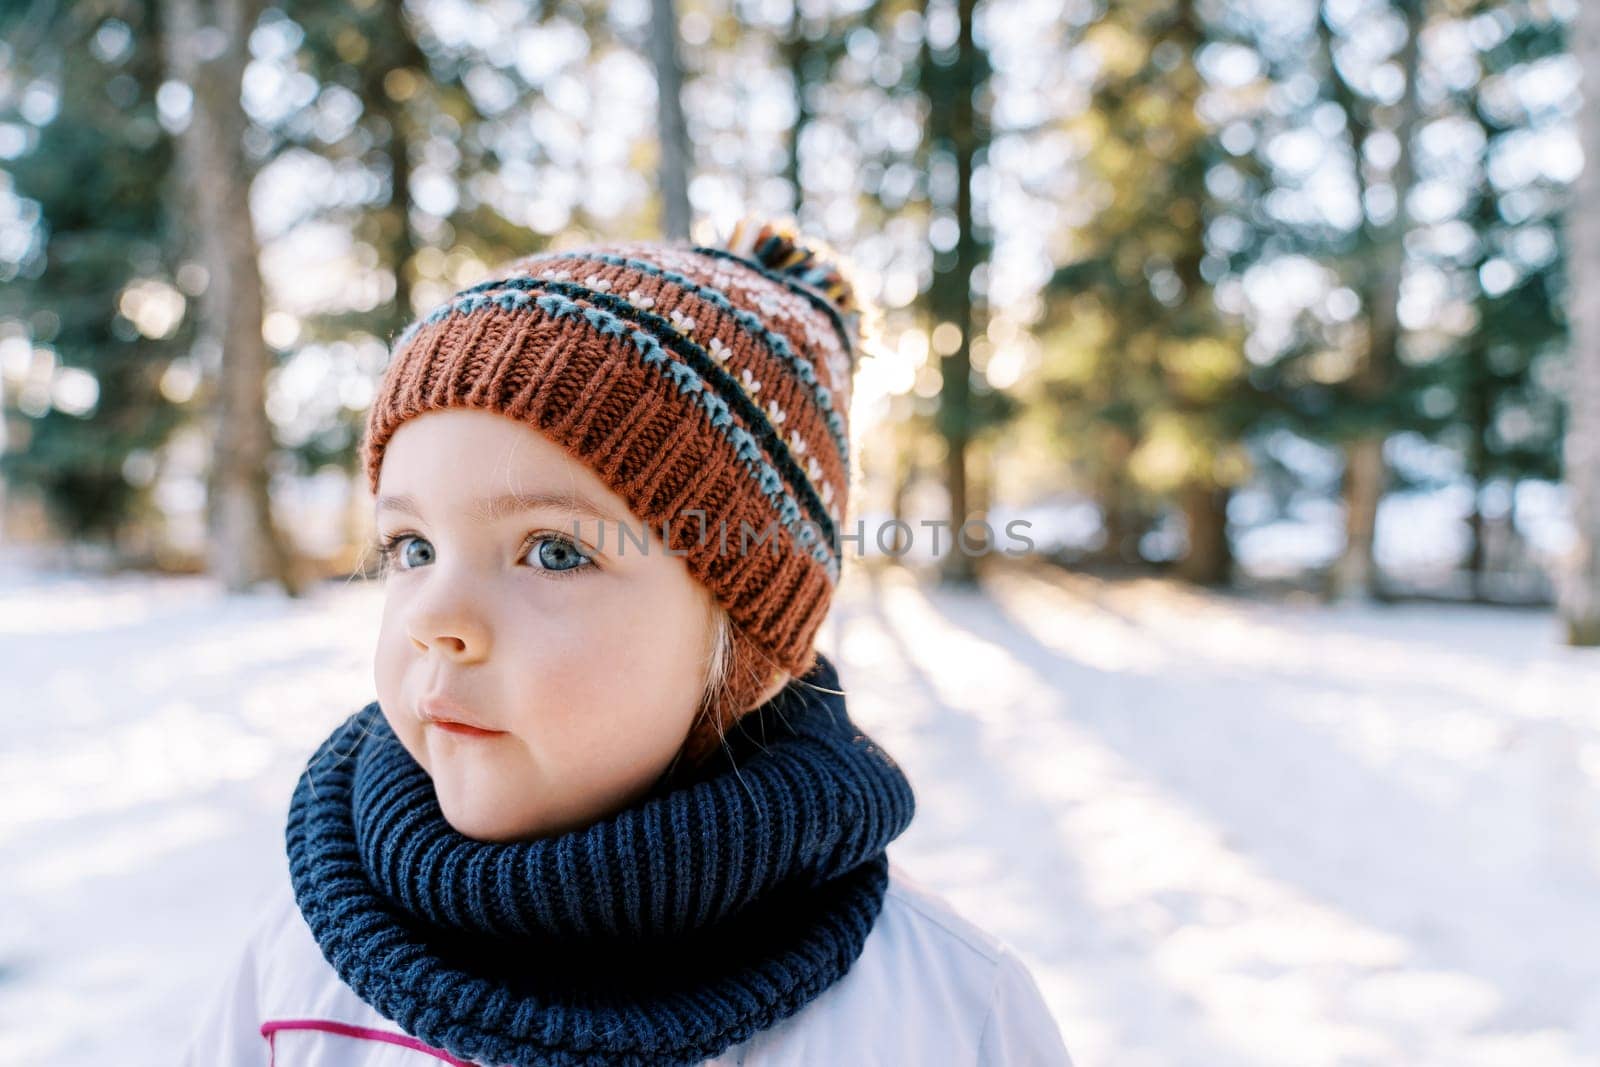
928 988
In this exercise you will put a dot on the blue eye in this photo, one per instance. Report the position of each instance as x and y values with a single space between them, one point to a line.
559 554
401 546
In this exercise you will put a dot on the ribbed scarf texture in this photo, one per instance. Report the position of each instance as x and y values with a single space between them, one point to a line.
710 910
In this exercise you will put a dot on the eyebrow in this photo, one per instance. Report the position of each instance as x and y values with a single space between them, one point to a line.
491 509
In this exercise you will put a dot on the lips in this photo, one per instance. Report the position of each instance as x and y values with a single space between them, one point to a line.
450 718
462 729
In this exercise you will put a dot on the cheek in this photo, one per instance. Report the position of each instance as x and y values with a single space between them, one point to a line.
611 660
392 654
581 658
389 664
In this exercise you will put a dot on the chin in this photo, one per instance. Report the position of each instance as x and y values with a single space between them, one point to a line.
484 824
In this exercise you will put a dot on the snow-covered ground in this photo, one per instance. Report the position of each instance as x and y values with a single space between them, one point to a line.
1223 832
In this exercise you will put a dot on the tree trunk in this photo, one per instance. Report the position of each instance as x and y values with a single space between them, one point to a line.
1365 474
905 473
1356 574
1478 411
797 52
674 131
1209 560
401 239
955 128
1580 585
1119 521
206 49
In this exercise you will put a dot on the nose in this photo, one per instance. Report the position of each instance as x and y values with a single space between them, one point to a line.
454 629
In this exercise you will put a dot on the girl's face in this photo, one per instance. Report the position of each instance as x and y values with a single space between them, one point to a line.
581 665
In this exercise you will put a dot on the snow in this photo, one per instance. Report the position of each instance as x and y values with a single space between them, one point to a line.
1220 831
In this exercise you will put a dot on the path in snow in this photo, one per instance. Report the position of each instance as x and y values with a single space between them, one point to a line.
1221 831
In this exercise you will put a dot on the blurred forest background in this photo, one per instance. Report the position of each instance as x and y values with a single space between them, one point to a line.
1267 291
1292 299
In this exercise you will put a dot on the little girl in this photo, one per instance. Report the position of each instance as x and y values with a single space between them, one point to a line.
608 806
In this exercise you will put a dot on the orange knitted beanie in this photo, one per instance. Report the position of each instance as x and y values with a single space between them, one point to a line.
708 386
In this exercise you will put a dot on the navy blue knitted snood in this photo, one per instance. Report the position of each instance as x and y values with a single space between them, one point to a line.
663 934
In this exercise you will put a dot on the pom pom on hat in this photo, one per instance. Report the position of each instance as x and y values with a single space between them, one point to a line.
779 246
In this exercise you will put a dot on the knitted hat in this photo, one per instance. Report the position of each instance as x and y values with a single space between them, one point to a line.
708 386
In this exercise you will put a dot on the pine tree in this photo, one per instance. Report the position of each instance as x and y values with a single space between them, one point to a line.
411 115
205 46
98 288
1143 358
1506 417
1375 269
953 76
